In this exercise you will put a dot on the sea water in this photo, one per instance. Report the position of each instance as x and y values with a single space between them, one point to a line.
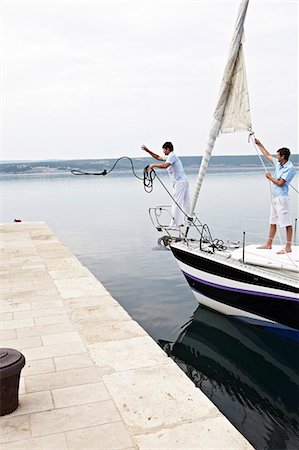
250 376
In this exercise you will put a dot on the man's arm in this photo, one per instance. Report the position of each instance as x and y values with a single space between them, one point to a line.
279 182
264 151
159 166
286 176
154 155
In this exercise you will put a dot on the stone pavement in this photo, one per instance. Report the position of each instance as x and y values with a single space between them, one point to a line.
93 379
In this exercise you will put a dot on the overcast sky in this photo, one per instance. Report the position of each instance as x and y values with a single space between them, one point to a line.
95 78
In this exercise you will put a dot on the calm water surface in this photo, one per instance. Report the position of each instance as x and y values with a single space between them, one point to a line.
250 376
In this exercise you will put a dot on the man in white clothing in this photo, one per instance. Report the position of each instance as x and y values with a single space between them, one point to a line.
181 195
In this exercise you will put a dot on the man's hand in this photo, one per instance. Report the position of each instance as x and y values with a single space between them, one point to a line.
279 182
257 142
150 167
154 155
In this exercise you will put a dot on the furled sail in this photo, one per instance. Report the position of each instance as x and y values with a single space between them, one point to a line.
232 111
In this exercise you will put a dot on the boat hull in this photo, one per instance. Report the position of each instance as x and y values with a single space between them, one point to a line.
239 292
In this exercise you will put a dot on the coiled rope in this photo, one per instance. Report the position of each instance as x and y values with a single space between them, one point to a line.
148 179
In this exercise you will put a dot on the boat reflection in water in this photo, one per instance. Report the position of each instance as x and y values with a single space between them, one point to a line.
250 375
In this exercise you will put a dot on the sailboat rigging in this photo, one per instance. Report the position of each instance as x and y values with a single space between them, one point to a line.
249 285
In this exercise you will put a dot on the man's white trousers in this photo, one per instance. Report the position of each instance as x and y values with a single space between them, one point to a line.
182 203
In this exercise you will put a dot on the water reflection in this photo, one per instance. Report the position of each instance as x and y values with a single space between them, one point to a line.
250 375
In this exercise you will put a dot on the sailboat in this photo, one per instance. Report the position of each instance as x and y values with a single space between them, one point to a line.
252 285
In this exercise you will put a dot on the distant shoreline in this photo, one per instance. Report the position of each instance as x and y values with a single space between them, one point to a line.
294 156
191 164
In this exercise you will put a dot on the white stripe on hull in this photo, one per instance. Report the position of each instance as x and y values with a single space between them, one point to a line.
230 283
226 309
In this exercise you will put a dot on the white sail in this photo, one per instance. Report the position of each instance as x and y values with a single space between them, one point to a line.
232 111
236 115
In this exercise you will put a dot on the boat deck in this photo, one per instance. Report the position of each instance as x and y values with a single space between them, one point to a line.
266 263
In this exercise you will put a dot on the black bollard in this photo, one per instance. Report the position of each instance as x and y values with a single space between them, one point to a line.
11 364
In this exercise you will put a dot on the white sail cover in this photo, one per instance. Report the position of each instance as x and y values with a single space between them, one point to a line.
232 110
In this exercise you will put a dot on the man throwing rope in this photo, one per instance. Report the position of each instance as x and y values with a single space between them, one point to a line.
284 172
181 195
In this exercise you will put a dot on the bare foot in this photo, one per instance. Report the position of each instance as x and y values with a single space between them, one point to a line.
264 247
284 250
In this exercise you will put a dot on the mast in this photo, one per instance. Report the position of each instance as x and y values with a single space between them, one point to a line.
235 58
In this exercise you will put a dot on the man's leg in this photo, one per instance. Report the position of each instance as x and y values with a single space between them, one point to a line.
288 246
273 220
177 205
289 231
175 211
272 233
285 220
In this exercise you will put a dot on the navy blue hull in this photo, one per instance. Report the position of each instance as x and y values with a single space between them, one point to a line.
274 306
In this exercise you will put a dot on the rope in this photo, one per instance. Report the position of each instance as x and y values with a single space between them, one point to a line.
105 172
251 137
294 189
171 196
148 179
148 176
81 172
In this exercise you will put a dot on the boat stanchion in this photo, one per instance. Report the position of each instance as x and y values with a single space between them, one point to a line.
243 253
295 231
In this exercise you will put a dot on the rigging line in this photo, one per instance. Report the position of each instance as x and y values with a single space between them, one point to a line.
251 137
185 214
216 243
294 188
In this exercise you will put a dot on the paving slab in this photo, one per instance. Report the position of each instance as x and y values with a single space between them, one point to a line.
112 436
53 441
74 417
195 435
93 377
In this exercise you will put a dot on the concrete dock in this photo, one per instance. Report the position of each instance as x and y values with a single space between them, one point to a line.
93 379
